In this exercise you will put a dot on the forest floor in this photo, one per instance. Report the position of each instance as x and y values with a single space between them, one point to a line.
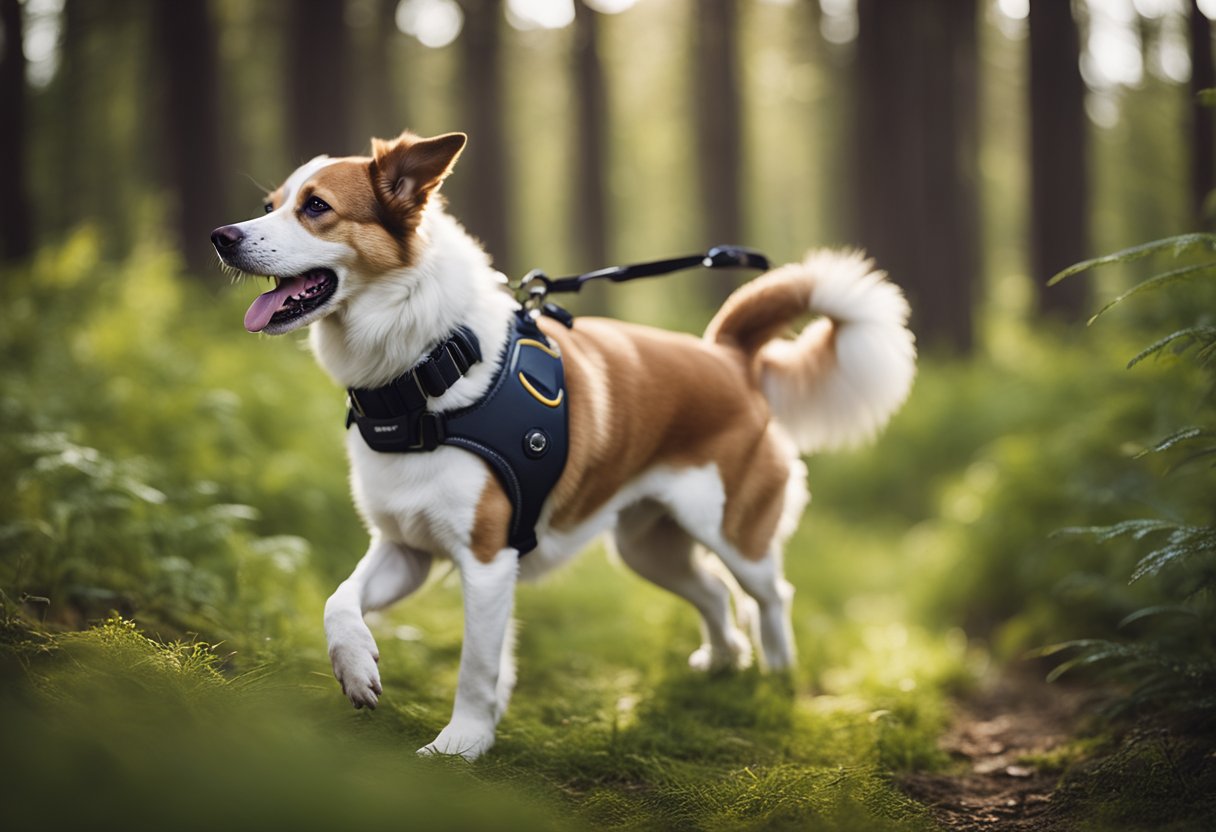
999 738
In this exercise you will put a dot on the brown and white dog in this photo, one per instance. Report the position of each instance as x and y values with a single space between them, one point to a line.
674 441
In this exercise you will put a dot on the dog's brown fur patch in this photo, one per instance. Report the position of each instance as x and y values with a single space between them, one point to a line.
492 521
642 397
346 186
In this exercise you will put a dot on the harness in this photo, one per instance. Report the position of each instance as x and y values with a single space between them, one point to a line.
520 424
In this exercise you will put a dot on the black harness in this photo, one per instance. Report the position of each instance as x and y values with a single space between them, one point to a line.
519 426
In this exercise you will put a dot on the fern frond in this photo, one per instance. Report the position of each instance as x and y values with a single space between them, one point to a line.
1183 543
1193 457
1098 650
1178 245
1158 609
1205 335
1136 529
1156 282
1183 435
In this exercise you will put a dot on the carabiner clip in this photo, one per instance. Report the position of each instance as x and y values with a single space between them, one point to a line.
532 289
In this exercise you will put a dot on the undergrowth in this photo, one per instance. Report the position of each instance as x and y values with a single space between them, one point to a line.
1166 659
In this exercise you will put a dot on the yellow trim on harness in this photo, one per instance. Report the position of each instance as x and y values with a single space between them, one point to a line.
536 394
529 342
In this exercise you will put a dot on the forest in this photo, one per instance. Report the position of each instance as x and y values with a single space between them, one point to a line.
1004 609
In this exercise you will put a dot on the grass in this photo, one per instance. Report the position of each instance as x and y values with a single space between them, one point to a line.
608 729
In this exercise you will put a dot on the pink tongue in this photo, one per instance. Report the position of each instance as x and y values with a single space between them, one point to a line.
264 307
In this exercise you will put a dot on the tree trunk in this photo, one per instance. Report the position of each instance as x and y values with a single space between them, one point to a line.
383 114
916 156
1059 203
70 193
187 61
719 129
318 82
16 235
1203 76
590 197
481 176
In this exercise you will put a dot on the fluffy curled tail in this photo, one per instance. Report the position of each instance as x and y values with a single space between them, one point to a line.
841 378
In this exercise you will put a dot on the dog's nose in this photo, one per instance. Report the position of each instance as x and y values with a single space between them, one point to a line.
226 237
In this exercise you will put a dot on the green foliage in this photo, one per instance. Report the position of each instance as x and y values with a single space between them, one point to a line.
1170 663
137 441
1150 779
1172 245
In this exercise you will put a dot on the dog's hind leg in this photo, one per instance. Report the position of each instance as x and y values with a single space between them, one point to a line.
386 574
698 508
763 580
655 547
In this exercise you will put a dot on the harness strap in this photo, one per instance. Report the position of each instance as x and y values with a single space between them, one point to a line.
394 418
433 376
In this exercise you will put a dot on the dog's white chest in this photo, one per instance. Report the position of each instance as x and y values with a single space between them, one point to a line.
426 500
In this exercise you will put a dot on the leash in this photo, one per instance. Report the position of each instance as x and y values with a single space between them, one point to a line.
534 287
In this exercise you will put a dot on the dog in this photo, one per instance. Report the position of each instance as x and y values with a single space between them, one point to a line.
676 444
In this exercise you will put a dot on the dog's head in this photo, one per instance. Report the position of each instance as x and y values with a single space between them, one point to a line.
334 226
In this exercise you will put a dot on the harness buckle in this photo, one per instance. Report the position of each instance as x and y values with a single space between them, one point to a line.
431 430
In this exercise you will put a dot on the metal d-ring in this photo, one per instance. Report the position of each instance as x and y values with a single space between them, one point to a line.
532 289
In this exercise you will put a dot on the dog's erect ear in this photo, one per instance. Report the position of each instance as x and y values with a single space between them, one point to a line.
407 169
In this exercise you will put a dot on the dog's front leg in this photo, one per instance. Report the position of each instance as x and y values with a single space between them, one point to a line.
387 573
489 597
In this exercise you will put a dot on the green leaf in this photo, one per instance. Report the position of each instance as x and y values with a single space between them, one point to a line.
1156 282
1177 245
1183 435
1189 458
1185 542
1137 529
1159 609
1096 651
1202 334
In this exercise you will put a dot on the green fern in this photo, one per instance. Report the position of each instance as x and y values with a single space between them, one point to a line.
1202 336
1169 662
1174 245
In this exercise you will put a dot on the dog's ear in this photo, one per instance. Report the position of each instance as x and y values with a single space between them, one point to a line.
406 170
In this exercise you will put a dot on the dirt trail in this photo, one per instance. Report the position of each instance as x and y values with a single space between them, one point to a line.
994 731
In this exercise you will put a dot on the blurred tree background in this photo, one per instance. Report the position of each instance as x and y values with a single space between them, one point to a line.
158 463
965 144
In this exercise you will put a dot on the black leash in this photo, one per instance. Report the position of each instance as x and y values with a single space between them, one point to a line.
535 286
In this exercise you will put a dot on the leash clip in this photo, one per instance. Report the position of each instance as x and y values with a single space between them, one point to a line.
532 290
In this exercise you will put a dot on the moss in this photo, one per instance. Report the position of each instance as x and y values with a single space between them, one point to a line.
1150 779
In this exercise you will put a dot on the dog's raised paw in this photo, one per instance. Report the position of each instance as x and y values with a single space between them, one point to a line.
357 670
467 741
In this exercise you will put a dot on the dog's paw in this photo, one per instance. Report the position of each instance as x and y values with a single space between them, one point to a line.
355 662
463 740
737 655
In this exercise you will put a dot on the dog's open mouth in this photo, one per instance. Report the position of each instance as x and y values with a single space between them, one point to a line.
291 299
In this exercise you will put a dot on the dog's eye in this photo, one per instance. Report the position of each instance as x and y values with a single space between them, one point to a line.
316 206
269 206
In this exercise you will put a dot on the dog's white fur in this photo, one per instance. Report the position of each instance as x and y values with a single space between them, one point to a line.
421 506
